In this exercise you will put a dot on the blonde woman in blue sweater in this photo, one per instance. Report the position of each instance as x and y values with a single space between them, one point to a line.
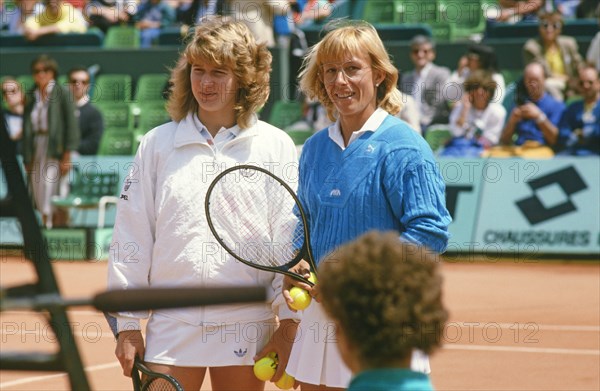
369 170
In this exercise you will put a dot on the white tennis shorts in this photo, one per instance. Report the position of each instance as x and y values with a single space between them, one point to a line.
315 358
172 342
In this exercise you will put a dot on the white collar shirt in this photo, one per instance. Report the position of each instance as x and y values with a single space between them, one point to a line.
374 122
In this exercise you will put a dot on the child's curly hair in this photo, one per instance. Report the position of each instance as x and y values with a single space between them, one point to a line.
222 41
386 295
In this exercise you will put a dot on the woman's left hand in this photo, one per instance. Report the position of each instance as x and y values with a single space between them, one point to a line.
281 343
65 163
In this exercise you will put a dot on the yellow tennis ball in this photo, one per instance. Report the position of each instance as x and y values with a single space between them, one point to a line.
265 368
312 278
286 381
301 298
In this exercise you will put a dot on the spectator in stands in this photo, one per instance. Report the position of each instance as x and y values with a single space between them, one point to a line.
104 14
13 18
91 124
311 11
50 135
385 299
426 83
479 57
579 129
258 15
558 54
5 12
476 121
57 17
593 53
190 12
512 11
13 105
79 4
588 9
534 118
409 112
151 16
567 8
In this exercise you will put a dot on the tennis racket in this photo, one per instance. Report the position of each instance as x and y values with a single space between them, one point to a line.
145 379
258 219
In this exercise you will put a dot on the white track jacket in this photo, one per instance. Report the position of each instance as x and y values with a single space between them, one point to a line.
161 237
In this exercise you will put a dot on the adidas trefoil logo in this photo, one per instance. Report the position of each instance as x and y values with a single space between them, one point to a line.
240 353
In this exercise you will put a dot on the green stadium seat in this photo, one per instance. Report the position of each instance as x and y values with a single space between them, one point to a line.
115 114
423 12
87 190
511 75
411 11
62 80
112 88
174 36
299 136
150 87
376 11
464 16
284 113
402 32
437 135
116 141
509 97
122 37
148 115
26 82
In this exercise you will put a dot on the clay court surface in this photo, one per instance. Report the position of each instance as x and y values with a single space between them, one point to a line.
515 325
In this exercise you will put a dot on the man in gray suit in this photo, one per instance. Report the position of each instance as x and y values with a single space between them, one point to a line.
426 83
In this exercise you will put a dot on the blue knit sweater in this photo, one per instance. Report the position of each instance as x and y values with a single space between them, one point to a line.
385 180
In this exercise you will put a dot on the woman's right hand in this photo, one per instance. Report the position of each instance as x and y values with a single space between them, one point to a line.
129 345
303 269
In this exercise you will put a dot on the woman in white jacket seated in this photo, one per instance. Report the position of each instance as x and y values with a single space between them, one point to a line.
476 121
161 237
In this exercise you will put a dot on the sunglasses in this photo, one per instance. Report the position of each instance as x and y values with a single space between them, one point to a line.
555 25
417 51
586 82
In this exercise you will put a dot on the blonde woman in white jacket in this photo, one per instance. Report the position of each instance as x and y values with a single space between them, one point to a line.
161 238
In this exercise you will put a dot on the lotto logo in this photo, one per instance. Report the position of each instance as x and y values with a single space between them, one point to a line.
551 195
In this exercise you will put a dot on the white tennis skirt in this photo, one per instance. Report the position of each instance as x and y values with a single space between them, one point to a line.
315 358
172 342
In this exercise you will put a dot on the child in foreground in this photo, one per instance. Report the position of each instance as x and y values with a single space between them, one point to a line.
385 299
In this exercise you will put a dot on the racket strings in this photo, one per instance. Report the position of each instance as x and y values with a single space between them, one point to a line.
160 384
254 217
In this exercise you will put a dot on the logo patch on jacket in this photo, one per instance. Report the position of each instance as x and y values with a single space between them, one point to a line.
240 353
128 183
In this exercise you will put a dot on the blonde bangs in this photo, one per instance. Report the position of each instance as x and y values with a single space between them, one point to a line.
344 39
213 47
347 42
223 42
